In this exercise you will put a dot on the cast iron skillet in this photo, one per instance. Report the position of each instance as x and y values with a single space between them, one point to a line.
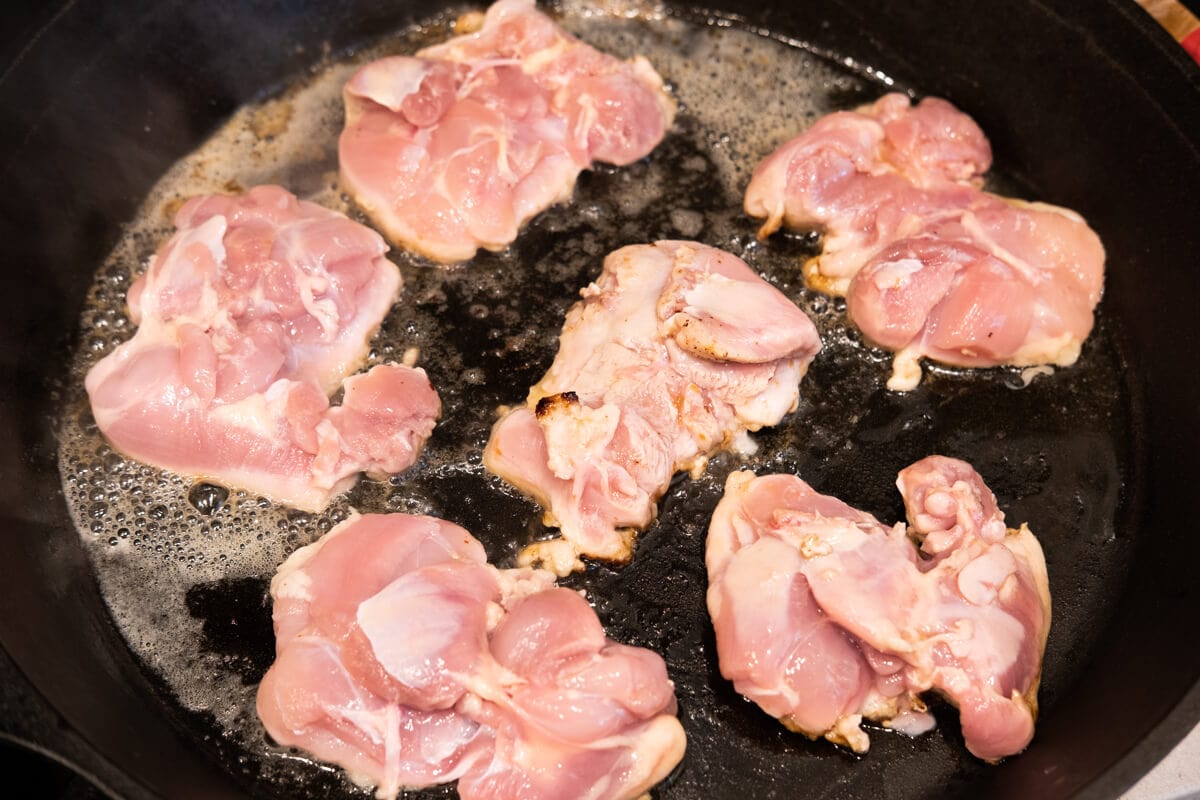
99 98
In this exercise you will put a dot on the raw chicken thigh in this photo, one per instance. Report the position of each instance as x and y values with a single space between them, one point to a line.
249 317
675 352
456 148
404 657
930 265
825 617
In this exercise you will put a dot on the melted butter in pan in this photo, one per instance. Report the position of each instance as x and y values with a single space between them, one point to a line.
186 581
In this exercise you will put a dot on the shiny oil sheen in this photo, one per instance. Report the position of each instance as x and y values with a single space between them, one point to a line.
186 585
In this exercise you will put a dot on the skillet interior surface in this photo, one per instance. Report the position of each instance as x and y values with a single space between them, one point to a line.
1075 454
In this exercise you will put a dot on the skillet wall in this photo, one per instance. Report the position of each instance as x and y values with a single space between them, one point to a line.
99 98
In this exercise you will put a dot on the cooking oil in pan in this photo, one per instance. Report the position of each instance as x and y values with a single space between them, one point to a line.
184 568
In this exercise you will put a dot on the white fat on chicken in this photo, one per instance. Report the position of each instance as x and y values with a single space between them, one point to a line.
456 148
825 617
249 317
675 352
431 666
931 266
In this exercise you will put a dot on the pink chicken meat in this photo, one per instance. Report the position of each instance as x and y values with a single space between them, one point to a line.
456 148
249 317
824 617
932 266
404 657
675 352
